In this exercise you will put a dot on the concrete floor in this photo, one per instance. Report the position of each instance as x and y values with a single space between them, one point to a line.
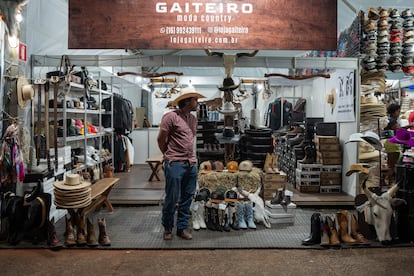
375 261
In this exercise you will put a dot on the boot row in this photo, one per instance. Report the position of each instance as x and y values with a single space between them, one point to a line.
216 218
334 230
77 233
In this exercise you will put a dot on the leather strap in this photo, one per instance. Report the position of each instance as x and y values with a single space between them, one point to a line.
47 124
55 81
39 112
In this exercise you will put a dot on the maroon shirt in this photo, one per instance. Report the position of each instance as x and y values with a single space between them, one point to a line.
181 129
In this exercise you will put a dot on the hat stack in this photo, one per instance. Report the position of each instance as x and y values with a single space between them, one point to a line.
408 41
371 110
394 61
72 192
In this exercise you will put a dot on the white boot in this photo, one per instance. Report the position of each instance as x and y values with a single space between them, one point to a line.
194 215
200 215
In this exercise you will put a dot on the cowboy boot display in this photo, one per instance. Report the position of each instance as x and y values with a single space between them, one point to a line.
90 238
333 237
209 217
200 215
355 234
232 215
81 231
194 216
240 216
342 217
215 218
275 165
325 233
69 233
52 239
267 167
248 207
226 221
309 157
278 197
315 234
103 237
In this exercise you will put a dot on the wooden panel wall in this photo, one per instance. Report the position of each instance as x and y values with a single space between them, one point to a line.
266 24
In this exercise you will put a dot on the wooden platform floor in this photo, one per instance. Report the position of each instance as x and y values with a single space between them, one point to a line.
134 188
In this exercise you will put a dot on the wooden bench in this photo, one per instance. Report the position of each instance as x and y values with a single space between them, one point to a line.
99 194
155 163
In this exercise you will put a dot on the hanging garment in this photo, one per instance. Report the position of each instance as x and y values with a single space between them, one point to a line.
279 113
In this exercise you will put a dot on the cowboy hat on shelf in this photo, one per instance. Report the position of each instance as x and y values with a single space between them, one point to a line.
185 93
228 84
25 92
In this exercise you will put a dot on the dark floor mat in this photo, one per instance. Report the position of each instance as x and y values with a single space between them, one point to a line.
140 228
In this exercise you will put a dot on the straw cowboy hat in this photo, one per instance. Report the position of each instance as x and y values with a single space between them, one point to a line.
185 93
331 99
228 84
25 92
72 192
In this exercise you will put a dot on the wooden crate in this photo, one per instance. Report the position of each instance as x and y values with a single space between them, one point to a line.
308 188
329 154
331 181
274 177
327 147
330 189
326 139
329 161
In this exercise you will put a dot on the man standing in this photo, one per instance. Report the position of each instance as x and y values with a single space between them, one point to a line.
176 142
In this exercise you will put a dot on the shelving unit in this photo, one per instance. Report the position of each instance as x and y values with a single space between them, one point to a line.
92 116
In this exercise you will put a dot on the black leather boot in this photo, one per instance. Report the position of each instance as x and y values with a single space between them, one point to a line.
226 226
315 234
209 219
216 219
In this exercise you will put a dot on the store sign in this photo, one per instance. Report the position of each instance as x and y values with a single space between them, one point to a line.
345 91
212 24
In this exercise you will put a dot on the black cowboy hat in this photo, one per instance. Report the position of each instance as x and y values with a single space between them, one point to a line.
228 84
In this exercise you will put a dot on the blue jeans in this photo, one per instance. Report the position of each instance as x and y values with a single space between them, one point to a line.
180 186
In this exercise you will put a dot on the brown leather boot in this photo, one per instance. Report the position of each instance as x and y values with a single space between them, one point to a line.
267 167
81 231
342 217
333 234
355 232
52 239
90 238
274 163
103 237
69 233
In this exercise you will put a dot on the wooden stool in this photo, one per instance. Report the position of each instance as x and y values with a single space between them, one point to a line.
155 163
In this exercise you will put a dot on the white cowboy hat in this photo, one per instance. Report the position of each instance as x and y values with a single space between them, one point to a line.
187 92
228 108
25 91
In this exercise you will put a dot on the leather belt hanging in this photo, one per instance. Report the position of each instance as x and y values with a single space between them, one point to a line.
47 125
55 80
39 112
